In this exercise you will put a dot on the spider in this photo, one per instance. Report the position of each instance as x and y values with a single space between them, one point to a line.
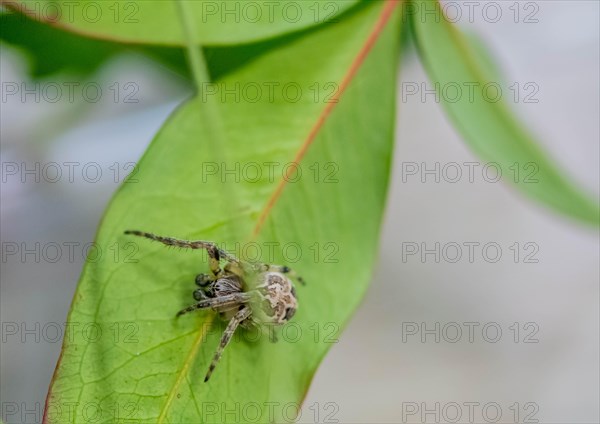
246 294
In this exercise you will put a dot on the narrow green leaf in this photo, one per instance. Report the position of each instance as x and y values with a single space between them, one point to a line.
157 22
148 366
487 125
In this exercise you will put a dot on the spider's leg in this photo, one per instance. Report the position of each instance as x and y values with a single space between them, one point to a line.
241 315
213 260
285 270
217 302
237 268
272 334
215 254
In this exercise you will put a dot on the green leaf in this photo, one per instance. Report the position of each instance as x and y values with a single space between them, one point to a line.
487 125
73 54
157 22
80 55
148 366
66 51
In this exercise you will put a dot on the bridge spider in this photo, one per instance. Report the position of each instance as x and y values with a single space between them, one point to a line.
243 293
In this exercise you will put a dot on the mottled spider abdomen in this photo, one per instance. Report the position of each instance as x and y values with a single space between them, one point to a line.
278 304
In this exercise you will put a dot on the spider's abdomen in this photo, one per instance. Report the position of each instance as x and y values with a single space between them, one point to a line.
278 303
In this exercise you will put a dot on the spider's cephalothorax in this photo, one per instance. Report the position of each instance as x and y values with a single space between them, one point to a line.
246 294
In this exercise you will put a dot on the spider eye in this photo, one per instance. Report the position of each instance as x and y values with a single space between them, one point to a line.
289 313
202 280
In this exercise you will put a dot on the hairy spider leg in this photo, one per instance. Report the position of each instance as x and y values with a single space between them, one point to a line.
240 316
217 302
214 252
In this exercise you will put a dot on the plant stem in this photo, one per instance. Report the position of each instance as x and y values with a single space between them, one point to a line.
196 59
211 114
194 49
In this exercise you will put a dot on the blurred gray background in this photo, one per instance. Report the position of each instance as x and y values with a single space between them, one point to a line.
382 370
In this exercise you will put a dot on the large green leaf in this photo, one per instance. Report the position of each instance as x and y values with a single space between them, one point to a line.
487 124
157 21
332 218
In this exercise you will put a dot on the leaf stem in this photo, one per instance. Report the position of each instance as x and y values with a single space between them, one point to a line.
200 74
215 134
194 48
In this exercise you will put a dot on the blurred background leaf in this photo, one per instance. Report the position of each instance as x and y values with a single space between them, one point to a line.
157 22
486 122
50 50
80 55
